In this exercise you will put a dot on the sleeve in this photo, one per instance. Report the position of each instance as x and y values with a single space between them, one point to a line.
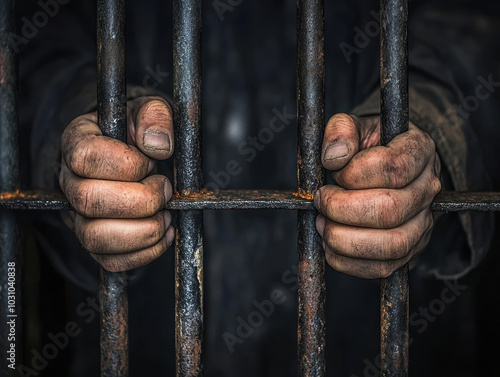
447 44
57 48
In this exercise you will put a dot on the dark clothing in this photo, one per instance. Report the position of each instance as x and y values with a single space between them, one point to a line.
249 56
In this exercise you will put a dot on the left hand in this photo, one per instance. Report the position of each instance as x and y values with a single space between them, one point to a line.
377 217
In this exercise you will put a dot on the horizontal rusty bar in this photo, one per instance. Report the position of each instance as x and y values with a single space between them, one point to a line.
448 201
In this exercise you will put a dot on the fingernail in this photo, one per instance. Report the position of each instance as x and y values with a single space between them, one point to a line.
317 199
167 190
167 217
170 236
151 165
156 140
320 224
337 149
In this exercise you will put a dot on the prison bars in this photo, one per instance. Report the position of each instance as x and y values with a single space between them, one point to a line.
394 119
112 119
188 180
188 197
310 177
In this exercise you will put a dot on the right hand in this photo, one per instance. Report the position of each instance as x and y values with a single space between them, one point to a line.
120 217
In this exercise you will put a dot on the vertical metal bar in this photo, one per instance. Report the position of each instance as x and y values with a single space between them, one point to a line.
10 278
111 117
394 120
188 179
311 176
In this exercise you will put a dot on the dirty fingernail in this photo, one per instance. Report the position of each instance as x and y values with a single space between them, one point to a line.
317 199
320 224
167 217
156 140
170 236
167 190
336 150
151 165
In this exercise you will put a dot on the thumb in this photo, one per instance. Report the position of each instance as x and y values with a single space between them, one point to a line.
340 142
150 127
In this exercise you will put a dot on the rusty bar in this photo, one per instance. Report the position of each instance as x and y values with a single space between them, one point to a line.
446 201
394 300
311 176
10 272
112 116
188 181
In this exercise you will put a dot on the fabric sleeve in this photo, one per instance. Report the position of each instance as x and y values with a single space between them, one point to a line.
442 77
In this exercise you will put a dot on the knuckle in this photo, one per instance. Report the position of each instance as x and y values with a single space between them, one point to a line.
329 235
435 185
390 212
113 264
396 168
350 176
152 203
333 261
89 238
385 270
85 200
82 162
159 249
400 246
157 229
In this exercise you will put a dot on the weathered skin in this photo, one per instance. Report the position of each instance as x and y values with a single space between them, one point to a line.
119 205
377 217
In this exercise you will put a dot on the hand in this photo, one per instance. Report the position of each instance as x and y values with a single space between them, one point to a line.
377 217
119 207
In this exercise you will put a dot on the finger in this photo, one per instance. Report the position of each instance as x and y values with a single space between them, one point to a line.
377 208
118 236
375 244
113 199
151 127
89 154
371 269
129 261
340 142
393 166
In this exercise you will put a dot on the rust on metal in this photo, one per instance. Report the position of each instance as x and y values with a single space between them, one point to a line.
310 177
446 201
112 120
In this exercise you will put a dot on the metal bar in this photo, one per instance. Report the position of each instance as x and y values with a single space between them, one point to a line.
394 300
10 272
311 176
112 117
188 181
447 201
